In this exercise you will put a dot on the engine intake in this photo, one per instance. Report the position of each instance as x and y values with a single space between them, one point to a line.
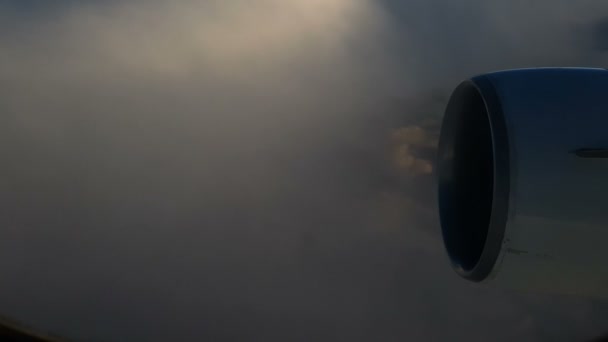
523 178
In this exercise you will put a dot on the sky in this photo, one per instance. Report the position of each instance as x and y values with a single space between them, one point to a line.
256 170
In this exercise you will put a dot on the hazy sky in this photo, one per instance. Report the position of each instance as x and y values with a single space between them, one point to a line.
256 170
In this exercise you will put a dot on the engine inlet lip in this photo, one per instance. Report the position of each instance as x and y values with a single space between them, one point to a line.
487 260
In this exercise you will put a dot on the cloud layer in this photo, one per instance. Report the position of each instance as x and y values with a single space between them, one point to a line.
254 170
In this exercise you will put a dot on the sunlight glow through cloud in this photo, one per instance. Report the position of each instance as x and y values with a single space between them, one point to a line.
177 39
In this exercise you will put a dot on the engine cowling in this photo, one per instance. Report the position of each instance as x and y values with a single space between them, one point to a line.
523 179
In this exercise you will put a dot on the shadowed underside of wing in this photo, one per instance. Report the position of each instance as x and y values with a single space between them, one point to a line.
11 331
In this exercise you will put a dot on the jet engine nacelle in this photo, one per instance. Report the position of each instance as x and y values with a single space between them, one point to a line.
523 179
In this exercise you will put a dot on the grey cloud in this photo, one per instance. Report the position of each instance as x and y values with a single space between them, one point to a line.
252 170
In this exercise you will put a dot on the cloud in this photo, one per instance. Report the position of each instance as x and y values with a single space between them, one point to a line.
243 170
161 39
406 140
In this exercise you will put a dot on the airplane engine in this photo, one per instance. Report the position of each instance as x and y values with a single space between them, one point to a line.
523 180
